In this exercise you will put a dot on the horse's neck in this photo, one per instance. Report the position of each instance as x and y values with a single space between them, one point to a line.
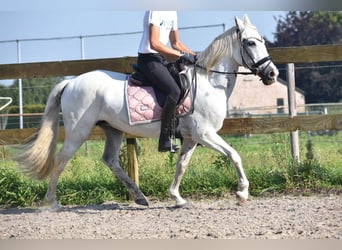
220 86
225 80
221 56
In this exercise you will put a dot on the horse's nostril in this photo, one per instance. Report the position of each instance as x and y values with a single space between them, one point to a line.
272 74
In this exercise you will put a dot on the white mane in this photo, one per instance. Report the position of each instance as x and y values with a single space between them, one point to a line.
221 46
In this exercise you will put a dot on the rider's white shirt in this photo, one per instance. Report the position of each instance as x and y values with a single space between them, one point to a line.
165 20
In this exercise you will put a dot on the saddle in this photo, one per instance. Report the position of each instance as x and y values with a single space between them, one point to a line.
175 68
145 102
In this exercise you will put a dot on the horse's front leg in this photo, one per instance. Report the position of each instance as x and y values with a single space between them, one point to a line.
214 141
187 150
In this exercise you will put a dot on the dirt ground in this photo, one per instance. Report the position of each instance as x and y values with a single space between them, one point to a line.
282 217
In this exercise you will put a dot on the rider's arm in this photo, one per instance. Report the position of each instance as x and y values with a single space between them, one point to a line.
177 44
159 46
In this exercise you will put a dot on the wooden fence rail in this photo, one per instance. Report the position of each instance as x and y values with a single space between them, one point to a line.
301 54
260 125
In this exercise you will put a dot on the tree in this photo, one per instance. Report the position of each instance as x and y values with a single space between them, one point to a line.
34 90
320 81
309 28
35 93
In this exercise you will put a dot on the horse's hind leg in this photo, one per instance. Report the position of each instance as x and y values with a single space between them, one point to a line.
110 157
72 142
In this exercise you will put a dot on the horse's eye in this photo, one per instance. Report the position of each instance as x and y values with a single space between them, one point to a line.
251 43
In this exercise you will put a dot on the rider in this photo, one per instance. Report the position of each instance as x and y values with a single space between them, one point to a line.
160 27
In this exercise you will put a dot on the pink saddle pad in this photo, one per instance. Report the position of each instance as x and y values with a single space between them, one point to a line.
143 107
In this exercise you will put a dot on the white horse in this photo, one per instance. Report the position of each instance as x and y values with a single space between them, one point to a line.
97 98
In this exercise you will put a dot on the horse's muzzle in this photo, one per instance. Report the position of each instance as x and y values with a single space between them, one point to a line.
269 76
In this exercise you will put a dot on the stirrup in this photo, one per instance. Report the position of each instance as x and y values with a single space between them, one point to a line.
173 148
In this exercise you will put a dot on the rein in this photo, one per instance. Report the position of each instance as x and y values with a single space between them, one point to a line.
223 72
253 68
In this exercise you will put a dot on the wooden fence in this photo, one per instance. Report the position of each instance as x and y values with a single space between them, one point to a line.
258 125
231 126
321 53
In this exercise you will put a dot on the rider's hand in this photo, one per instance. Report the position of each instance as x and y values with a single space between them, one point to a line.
188 58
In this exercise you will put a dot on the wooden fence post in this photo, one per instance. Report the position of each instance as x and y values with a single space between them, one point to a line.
132 168
291 90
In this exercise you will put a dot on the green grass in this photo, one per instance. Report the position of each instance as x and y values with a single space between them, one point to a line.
266 159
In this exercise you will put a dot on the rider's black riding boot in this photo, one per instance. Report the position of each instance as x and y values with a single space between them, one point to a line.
165 130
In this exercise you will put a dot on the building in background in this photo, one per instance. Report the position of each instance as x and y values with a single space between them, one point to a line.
251 97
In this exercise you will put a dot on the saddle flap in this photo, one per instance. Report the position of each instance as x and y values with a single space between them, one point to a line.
142 104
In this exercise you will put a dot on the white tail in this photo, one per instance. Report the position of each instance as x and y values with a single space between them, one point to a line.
37 156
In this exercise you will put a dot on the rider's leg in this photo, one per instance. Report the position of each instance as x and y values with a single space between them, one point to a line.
165 129
157 73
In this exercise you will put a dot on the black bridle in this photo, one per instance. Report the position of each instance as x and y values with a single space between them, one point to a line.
254 67
243 48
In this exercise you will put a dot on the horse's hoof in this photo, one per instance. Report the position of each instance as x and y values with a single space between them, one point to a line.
181 204
56 209
50 208
142 201
241 201
242 197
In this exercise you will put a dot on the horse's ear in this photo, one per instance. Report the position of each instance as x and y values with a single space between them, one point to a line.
239 24
246 20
